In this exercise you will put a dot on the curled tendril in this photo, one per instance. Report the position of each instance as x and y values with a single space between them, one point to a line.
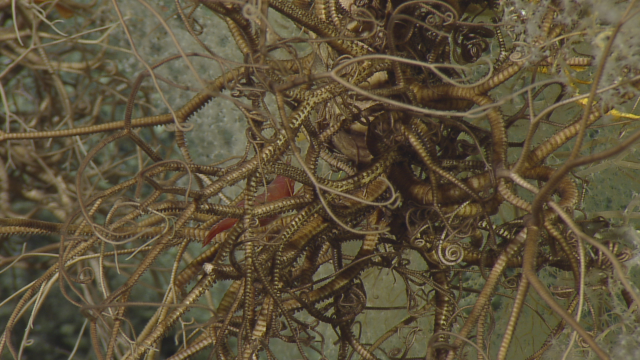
453 254
434 20
418 242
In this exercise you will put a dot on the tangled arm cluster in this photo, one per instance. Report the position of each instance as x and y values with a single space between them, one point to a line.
427 147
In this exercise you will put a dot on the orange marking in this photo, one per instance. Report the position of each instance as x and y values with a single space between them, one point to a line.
281 187
64 11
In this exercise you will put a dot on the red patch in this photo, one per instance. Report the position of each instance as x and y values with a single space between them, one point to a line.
281 187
